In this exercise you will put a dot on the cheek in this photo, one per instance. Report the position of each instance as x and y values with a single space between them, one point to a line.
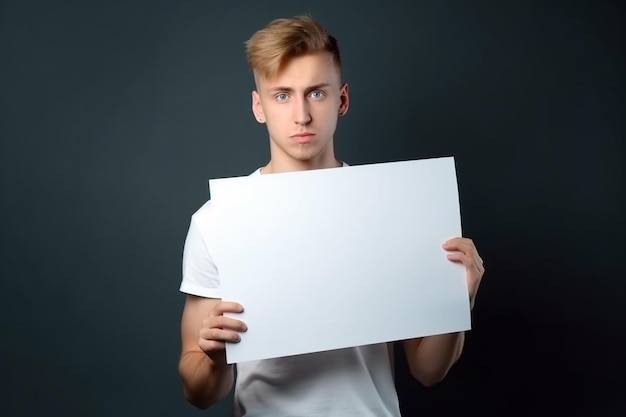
330 117
276 122
277 114
276 126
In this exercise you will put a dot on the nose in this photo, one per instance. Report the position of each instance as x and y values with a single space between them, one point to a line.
302 115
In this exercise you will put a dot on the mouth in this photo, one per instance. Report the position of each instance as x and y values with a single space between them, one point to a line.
303 137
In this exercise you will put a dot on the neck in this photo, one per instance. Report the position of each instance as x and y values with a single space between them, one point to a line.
274 167
281 162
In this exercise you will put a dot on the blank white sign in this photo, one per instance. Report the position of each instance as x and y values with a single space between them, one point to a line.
340 257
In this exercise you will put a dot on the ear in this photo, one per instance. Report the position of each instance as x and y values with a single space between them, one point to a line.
257 107
344 99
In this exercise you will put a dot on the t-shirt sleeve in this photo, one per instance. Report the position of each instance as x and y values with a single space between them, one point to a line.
200 275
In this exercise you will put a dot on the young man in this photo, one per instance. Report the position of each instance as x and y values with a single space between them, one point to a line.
299 96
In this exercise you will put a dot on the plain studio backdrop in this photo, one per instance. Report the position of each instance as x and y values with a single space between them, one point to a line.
116 114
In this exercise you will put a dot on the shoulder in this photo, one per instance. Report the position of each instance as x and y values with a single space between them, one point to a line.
202 217
203 210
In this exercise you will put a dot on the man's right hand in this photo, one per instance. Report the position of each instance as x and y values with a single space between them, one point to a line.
217 329
207 378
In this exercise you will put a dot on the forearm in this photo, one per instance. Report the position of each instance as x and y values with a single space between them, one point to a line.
204 381
430 358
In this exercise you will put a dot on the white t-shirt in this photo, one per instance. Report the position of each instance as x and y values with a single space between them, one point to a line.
346 382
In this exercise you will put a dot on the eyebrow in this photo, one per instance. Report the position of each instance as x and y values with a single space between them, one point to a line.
291 90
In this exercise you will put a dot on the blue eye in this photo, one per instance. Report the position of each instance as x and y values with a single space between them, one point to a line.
317 94
282 97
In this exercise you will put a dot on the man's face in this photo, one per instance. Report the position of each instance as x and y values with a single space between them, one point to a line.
300 107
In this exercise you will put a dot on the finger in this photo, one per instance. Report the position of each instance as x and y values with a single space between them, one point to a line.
479 260
455 242
456 256
219 335
226 307
450 243
463 245
211 345
471 264
467 260
221 322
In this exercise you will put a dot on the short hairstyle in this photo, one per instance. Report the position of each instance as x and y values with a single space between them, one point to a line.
270 48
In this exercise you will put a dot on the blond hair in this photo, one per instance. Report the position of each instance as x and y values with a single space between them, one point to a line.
270 48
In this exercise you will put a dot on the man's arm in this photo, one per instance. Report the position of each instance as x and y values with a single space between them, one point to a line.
206 376
430 358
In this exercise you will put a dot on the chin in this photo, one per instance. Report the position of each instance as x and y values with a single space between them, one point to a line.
306 156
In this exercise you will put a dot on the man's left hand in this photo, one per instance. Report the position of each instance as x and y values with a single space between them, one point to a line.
463 250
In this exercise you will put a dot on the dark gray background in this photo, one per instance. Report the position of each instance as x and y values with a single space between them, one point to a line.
115 114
